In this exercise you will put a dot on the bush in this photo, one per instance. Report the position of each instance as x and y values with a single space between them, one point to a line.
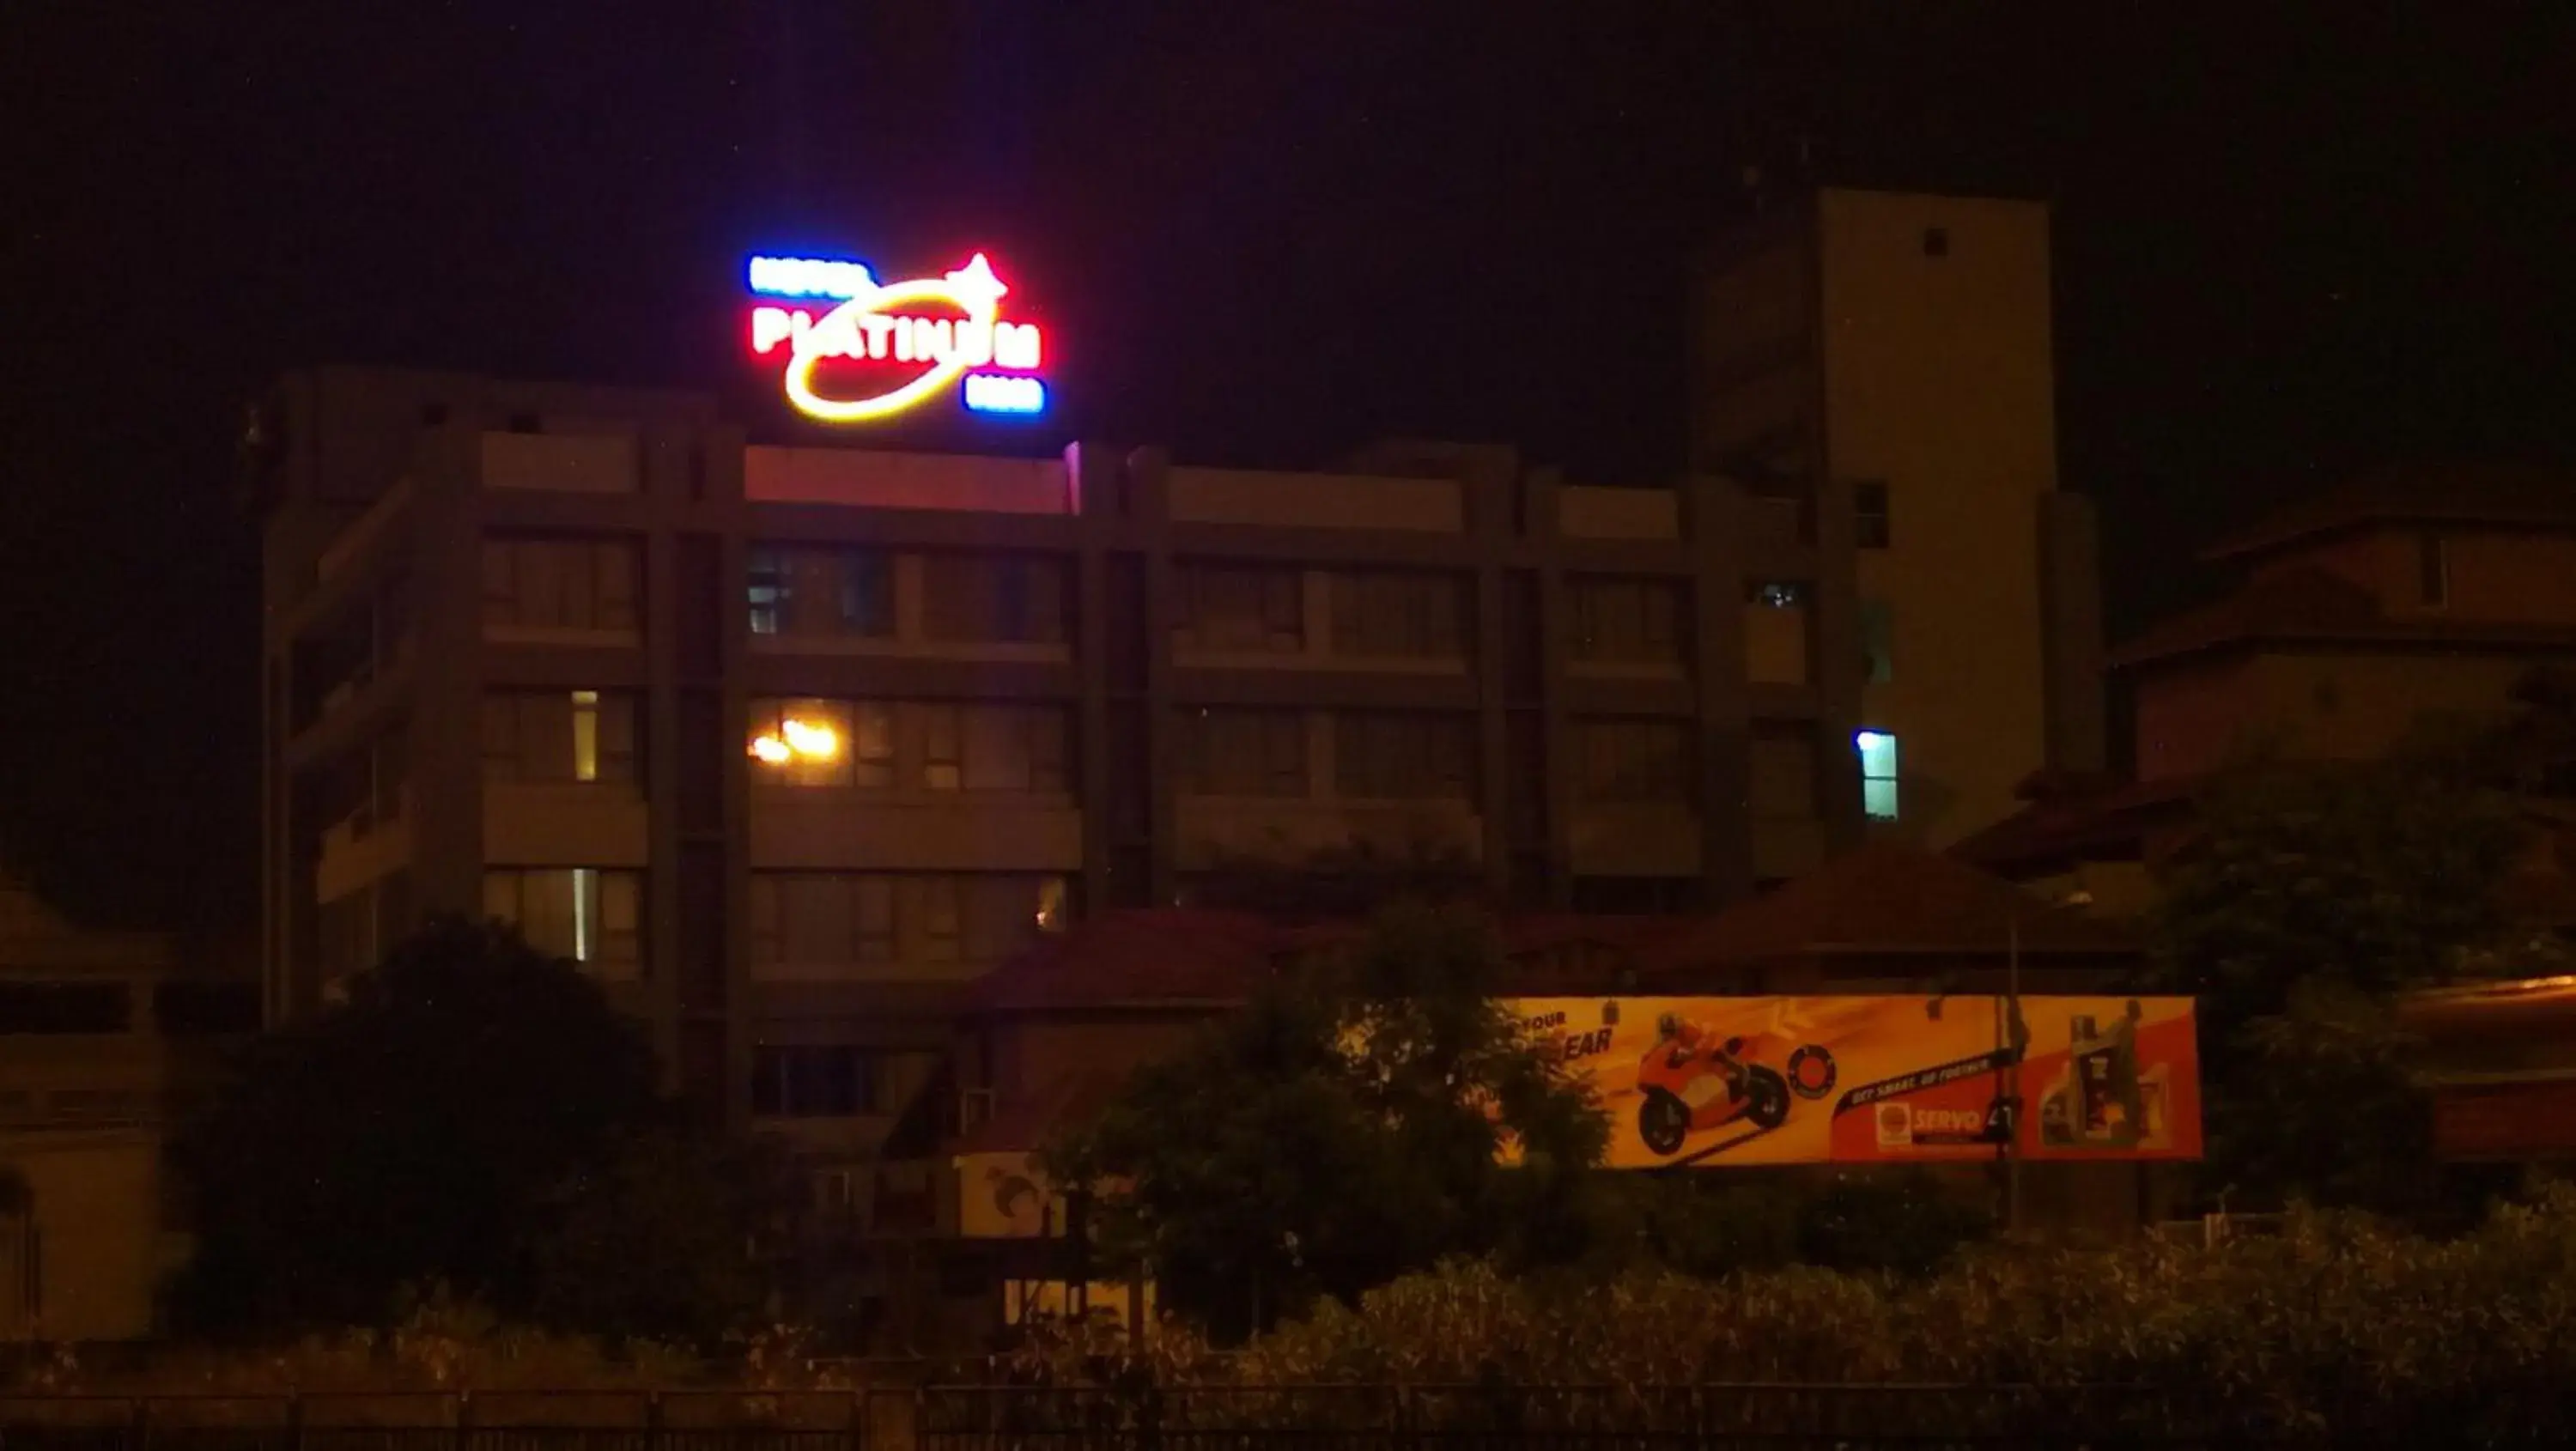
2337 1324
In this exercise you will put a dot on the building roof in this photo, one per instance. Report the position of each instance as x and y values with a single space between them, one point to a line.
1889 900
1885 899
2109 822
1165 958
2527 495
1024 1122
2313 607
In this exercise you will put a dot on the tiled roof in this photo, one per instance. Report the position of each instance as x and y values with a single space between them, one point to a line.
1023 1123
2417 493
1881 898
2112 821
1162 957
2309 606
1888 899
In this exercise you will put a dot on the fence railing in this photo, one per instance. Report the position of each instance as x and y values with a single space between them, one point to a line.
1484 1417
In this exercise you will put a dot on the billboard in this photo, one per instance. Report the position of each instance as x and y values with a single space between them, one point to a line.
1880 1080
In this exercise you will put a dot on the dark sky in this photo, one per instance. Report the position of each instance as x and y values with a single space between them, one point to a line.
2293 236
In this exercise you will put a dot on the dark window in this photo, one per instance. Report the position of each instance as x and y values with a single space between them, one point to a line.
1871 526
1936 241
64 1007
196 1008
833 1080
2433 570
1877 642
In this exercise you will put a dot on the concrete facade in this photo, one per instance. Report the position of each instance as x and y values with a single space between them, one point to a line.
1052 685
1886 359
104 1044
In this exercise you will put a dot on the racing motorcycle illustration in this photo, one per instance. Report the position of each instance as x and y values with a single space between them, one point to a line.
1692 1081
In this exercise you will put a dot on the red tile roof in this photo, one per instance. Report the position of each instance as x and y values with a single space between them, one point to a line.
2306 606
1023 1123
2417 493
2111 822
1881 898
1175 958
1885 899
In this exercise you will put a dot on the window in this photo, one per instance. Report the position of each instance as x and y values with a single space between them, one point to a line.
1383 614
1936 241
994 748
822 1080
934 902
1783 778
64 1007
580 736
583 914
2432 571
1238 607
1877 773
822 922
1871 526
988 599
561 584
814 593
809 742
197 1008
1777 632
1634 761
1233 752
1877 641
1403 757
1625 621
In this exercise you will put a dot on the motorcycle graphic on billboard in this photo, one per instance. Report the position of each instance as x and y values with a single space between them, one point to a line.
1781 1080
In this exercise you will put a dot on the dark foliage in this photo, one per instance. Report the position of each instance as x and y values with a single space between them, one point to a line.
474 1116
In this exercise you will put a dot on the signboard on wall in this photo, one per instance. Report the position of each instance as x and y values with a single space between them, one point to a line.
1881 1080
852 349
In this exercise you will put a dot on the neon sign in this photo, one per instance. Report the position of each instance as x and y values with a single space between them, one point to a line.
882 348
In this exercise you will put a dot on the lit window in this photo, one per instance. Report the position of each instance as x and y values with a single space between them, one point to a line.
585 735
1877 773
768 589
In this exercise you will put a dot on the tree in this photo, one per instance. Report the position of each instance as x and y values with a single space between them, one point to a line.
650 1240
1347 1126
2315 895
467 1118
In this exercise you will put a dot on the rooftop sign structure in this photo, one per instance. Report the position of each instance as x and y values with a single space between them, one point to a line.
856 350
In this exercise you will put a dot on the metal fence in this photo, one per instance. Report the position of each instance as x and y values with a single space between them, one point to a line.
1489 1417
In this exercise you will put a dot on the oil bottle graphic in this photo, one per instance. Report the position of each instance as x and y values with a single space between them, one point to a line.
2101 1103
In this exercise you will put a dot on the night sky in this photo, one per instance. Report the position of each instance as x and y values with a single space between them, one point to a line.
2293 236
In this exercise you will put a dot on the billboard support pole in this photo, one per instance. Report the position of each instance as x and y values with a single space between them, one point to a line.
2012 1083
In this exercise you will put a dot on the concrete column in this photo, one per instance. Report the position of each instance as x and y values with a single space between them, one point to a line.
447 731
1556 736
1713 526
1838 667
1092 475
1149 493
2070 624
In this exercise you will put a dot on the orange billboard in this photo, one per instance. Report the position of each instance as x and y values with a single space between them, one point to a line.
1880 1080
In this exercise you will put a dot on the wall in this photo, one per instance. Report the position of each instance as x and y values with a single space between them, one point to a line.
2196 716
97 1199
1938 380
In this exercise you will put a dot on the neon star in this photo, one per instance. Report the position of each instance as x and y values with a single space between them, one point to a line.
843 332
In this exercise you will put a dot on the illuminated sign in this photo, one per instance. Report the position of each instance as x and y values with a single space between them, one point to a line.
855 350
